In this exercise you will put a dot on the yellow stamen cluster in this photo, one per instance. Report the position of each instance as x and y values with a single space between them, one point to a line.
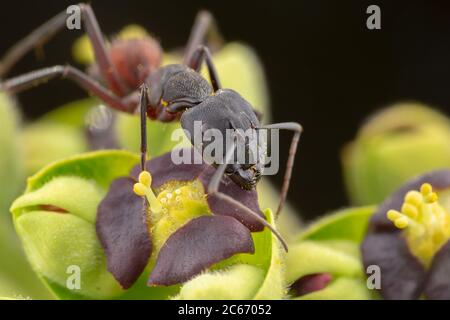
171 206
143 189
425 222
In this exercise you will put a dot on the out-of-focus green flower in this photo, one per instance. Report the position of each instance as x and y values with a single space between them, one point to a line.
409 239
395 145
324 261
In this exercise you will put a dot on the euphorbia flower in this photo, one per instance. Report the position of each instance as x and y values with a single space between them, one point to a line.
183 232
408 239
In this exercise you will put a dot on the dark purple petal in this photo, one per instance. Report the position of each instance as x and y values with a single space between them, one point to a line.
163 170
402 275
438 282
197 245
123 232
311 283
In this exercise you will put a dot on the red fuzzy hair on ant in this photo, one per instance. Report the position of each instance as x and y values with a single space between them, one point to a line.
135 59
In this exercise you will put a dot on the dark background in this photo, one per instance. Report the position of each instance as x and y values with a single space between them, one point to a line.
325 68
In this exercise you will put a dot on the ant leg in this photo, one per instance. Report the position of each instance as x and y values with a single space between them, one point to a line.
40 76
51 27
203 54
143 113
297 128
37 38
213 189
103 60
204 30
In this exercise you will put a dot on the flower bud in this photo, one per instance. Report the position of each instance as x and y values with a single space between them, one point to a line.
395 145
55 220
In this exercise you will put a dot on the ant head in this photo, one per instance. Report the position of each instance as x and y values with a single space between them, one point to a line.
246 176
174 86
135 59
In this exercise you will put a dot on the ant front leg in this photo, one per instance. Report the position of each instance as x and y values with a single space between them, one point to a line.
213 189
297 128
57 23
195 62
204 31
40 76
143 113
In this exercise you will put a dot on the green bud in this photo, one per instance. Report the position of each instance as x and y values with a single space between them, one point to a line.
55 220
395 145
324 262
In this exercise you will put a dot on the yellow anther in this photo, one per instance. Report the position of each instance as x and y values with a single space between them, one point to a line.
426 189
401 222
410 210
140 189
414 198
393 215
425 222
431 197
145 178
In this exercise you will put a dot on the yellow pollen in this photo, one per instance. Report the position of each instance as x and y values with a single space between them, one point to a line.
425 223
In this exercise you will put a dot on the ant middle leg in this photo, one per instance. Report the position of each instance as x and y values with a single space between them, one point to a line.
200 55
37 77
46 31
298 129
213 189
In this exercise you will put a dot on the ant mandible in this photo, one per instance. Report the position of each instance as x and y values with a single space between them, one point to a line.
168 93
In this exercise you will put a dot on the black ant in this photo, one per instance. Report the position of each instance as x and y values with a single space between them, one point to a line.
173 92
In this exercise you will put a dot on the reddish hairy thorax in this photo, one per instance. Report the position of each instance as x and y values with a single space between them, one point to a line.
135 59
